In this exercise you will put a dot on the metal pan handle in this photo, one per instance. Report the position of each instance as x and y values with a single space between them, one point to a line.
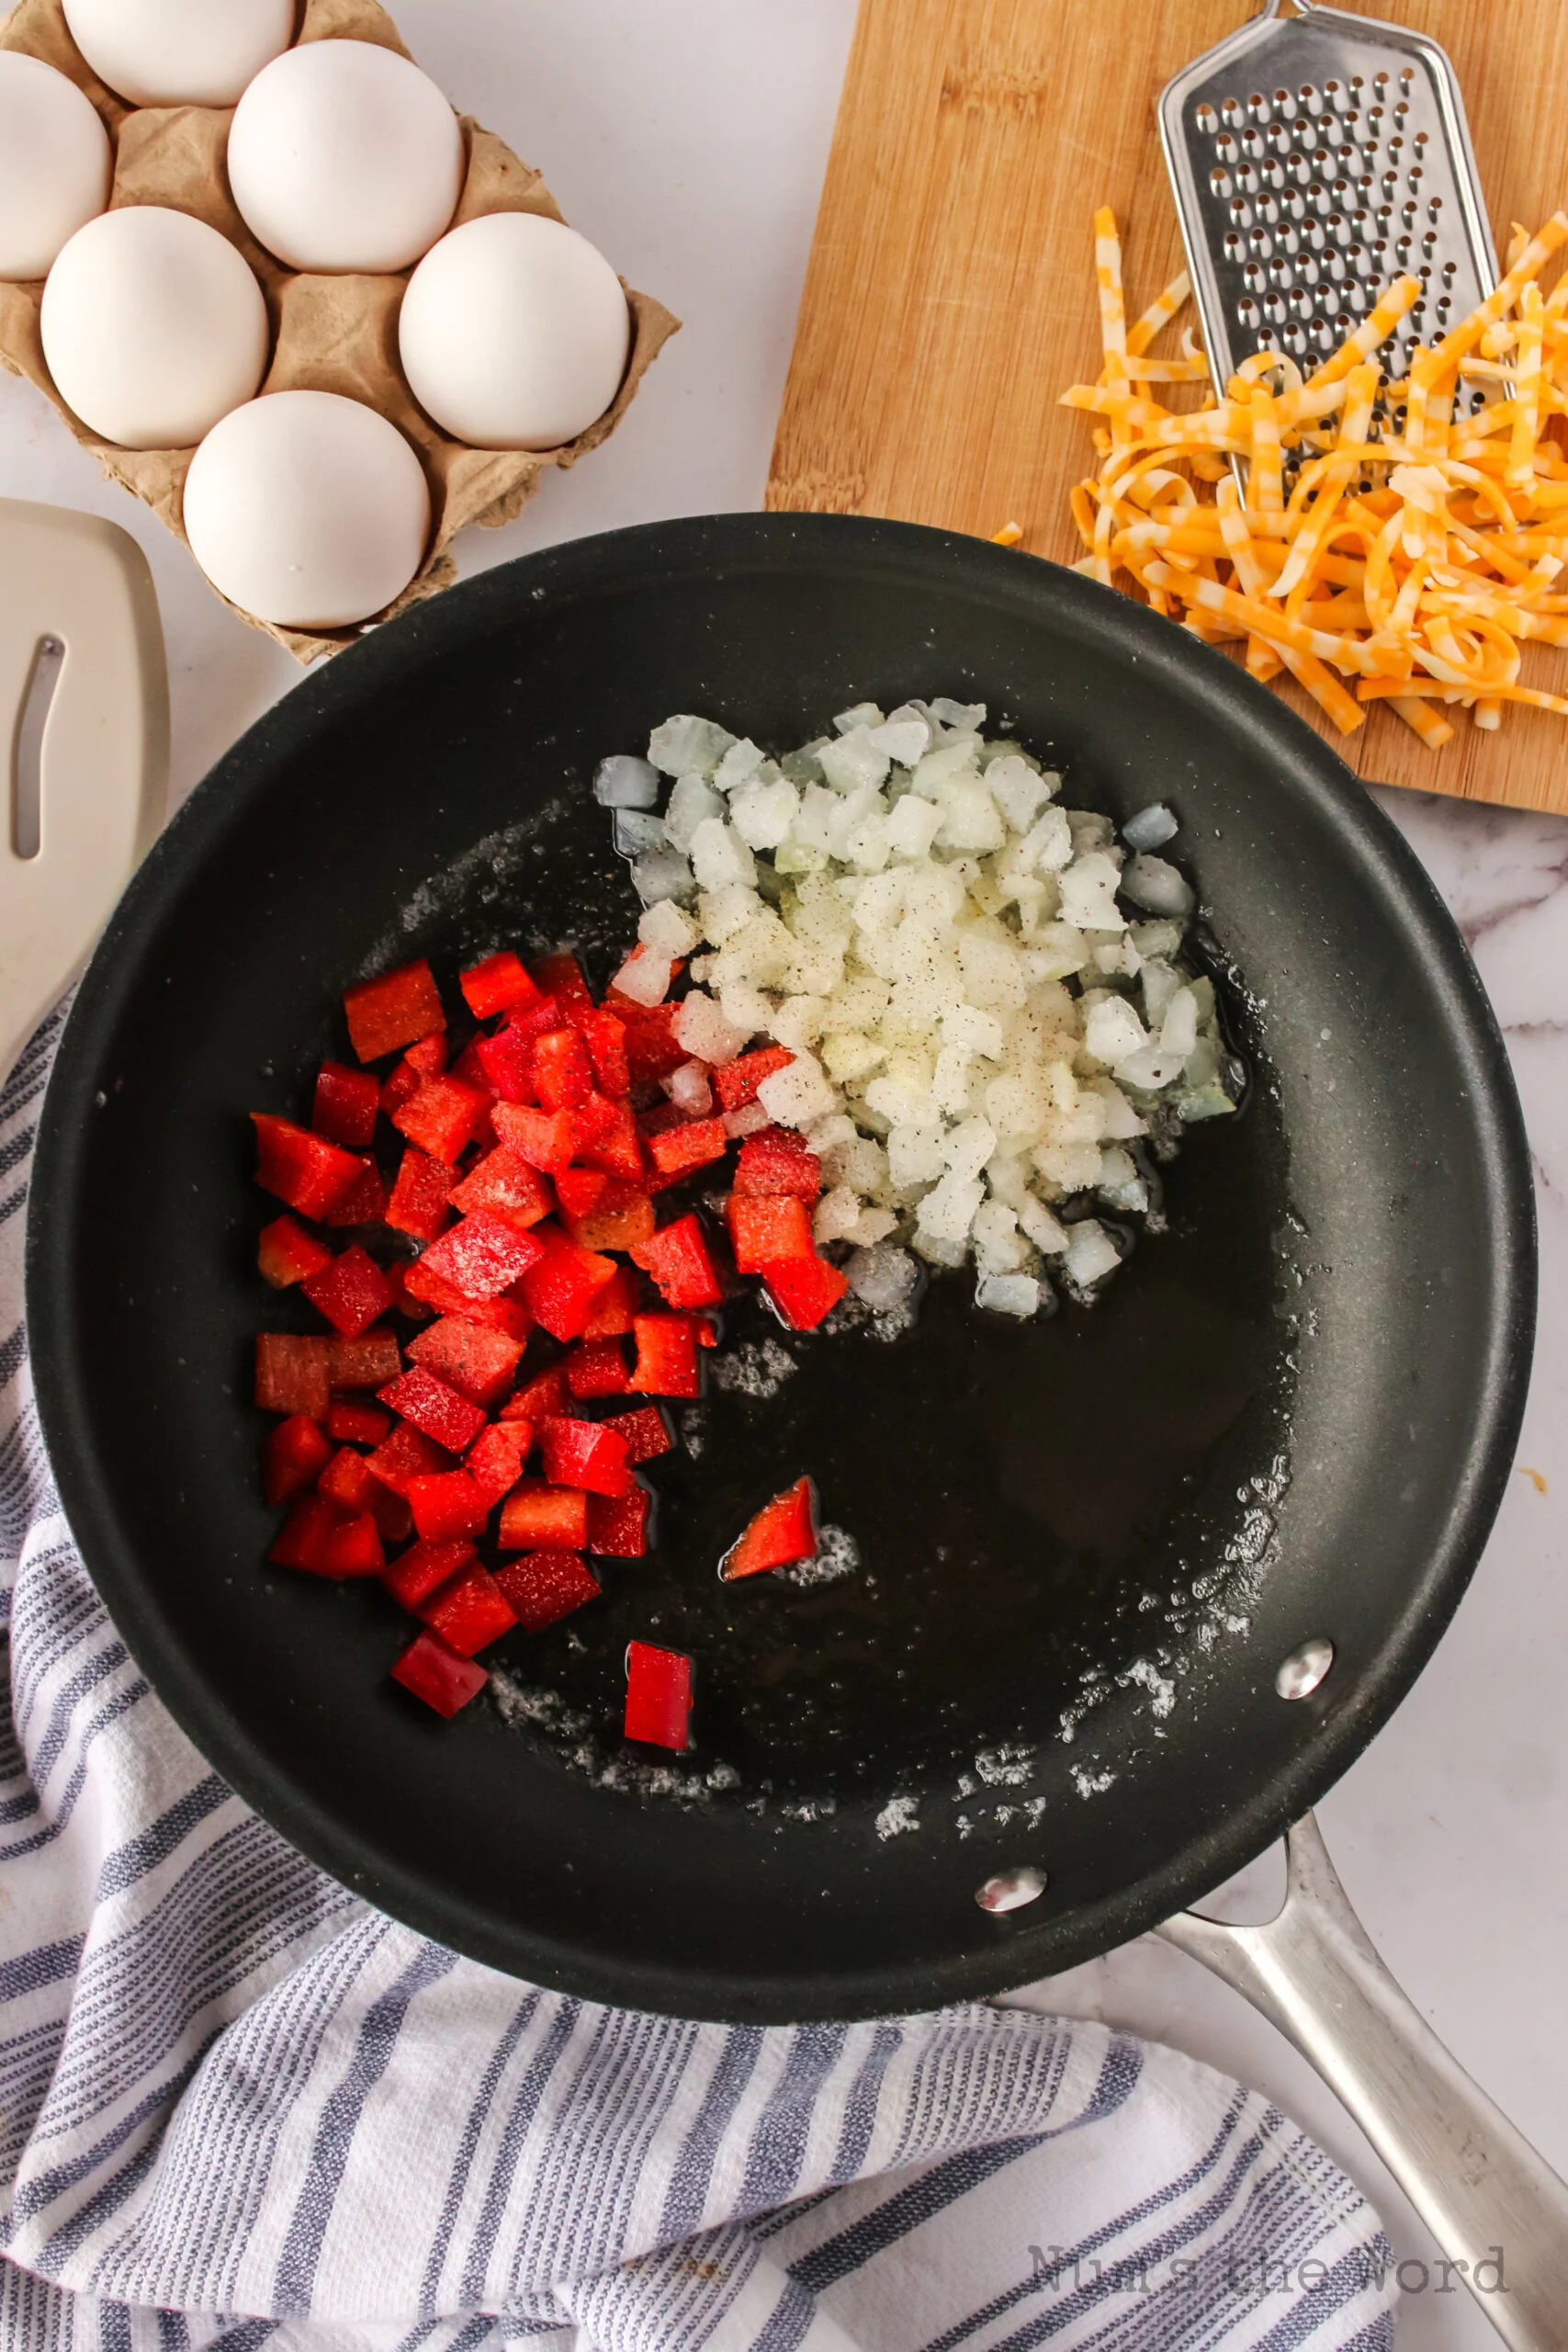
1496 2208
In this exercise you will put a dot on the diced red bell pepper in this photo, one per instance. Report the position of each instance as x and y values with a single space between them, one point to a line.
666 1356
621 1218
543 1587
347 1480
368 1362
531 1021
619 1529
287 1253
494 1460
396 1009
422 1290
678 1260
391 1514
645 1431
584 1453
345 1104
507 1061
618 1150
736 1082
421 1195
404 1456
506 1184
477 1361
592 1118
292 1375
766 1228
604 1034
434 1673
443 1118
365 1202
778 1161
561 976
357 1424
804 1290
417 1309
659 1695
351 1292
423 1569
484 1254
302 1541
447 1504
677 1150
355 1549
304 1169
425 1059
546 1393
496 985
610 1317
562 1071
544 1138
578 1190
470 1067
470 1612
434 1408
294 1454
538 1517
783 1531
653 1050
559 1289
597 1368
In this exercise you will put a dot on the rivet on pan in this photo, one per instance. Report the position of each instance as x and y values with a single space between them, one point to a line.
1302 1672
1010 1890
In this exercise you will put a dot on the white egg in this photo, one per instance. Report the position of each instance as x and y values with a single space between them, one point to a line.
179 53
343 156
514 333
307 510
55 163
154 327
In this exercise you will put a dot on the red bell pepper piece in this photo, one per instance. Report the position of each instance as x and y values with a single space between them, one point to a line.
368 1362
434 1673
391 1514
396 1009
543 1587
678 1260
595 1116
778 1161
477 1361
584 1453
645 1431
496 985
618 1150
351 1292
578 1190
304 1169
597 1368
494 1460
420 1196
302 1541
666 1356
345 1104
659 1695
434 1408
365 1202
507 1061
561 976
653 1050
559 1289
294 1454
417 1310
604 1034
443 1118
736 1082
538 1517
804 1290
470 1069
447 1504
563 1074
422 1290
619 1529
404 1456
470 1612
677 1150
357 1424
766 1228
621 1218
610 1317
425 1059
531 1021
783 1531
423 1569
544 1138
546 1393
347 1480
292 1375
287 1253
484 1254
354 1548
506 1184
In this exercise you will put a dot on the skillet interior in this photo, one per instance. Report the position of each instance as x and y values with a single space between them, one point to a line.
1291 1415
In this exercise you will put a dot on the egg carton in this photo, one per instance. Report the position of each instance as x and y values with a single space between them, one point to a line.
330 334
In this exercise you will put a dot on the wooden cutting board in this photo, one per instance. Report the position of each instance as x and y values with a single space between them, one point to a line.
950 296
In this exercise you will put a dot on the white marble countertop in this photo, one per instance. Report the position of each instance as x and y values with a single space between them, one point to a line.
689 141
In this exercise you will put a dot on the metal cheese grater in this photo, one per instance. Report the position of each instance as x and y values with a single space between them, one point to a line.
1314 158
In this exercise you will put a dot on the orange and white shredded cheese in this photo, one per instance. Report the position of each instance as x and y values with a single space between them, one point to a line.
1414 563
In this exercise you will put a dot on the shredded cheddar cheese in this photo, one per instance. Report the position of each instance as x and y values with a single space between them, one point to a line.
1415 562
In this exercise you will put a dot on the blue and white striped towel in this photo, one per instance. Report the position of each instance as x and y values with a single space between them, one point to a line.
237 2108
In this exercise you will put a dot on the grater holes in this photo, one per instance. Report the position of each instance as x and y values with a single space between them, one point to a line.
1257 107
1205 120
1231 113
1252 142
1220 183
1226 149
1284 106
1241 212
1235 250
1247 312
1406 77
1477 402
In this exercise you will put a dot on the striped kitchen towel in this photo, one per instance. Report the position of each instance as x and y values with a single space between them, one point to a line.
237 2108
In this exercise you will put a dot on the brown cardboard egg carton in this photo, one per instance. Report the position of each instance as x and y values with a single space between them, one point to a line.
330 334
